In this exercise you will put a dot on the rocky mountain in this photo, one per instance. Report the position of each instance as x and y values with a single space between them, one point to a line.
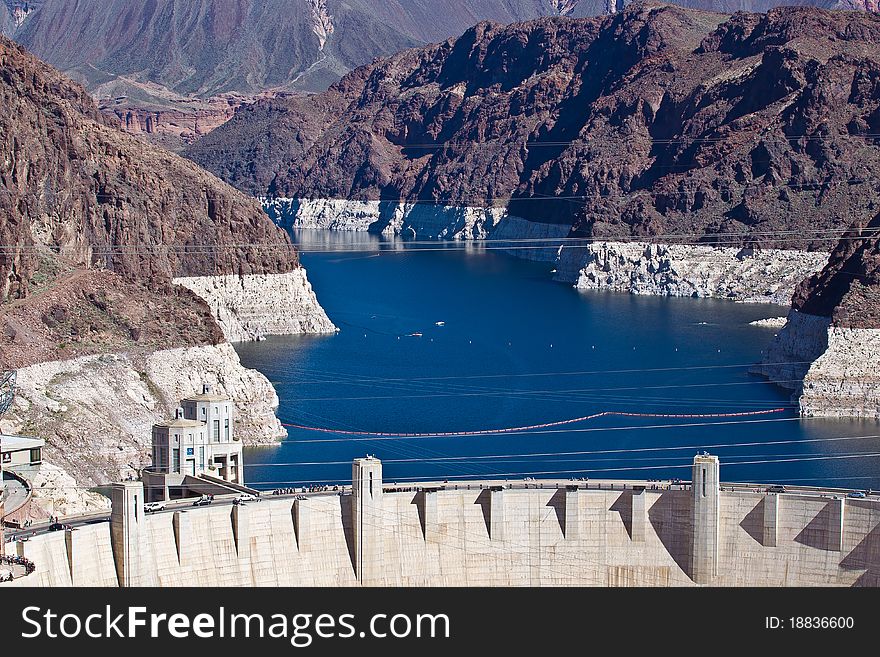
205 48
165 56
847 290
125 271
13 14
656 121
95 225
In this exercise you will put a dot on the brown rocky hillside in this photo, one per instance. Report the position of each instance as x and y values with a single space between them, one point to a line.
657 121
848 289
94 224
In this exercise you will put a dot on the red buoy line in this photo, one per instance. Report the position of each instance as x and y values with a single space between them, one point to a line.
545 425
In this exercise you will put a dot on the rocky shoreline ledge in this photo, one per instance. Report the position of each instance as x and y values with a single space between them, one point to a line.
389 218
96 412
679 270
251 307
832 371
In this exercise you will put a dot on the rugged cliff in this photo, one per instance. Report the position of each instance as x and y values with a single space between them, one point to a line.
747 275
178 60
655 122
13 14
177 123
94 196
96 412
203 47
829 351
96 225
848 289
96 230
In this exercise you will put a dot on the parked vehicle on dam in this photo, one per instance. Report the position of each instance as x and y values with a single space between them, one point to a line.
857 494
777 488
152 507
204 500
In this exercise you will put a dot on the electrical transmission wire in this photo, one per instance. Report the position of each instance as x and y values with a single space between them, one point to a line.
592 452
521 473
635 427
586 141
488 243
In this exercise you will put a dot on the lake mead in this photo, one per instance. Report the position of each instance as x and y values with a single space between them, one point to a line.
452 337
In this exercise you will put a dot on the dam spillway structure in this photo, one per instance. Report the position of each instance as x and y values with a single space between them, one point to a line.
700 532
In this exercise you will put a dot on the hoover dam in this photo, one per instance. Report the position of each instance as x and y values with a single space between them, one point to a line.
478 533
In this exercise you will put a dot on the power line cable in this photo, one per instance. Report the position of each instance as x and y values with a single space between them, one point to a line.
625 451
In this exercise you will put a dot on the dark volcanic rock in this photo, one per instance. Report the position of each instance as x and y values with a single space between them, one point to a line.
206 47
178 60
848 289
94 224
99 311
658 121
94 196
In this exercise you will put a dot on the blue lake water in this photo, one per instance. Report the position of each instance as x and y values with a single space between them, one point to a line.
518 349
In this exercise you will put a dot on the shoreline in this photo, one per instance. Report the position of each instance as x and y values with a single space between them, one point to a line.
632 266
96 411
837 381
831 370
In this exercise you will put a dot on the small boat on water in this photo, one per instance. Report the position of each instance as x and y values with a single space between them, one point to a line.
439 323
414 335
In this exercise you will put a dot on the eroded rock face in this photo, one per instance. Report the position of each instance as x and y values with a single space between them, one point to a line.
81 312
323 214
833 371
657 121
56 493
97 197
96 412
178 124
845 380
251 307
802 340
848 289
833 332
747 275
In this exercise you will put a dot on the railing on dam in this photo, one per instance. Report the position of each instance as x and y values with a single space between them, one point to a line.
580 484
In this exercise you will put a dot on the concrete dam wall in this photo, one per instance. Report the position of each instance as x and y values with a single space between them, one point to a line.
478 534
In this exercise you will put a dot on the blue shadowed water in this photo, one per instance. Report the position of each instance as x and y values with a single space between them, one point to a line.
519 349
